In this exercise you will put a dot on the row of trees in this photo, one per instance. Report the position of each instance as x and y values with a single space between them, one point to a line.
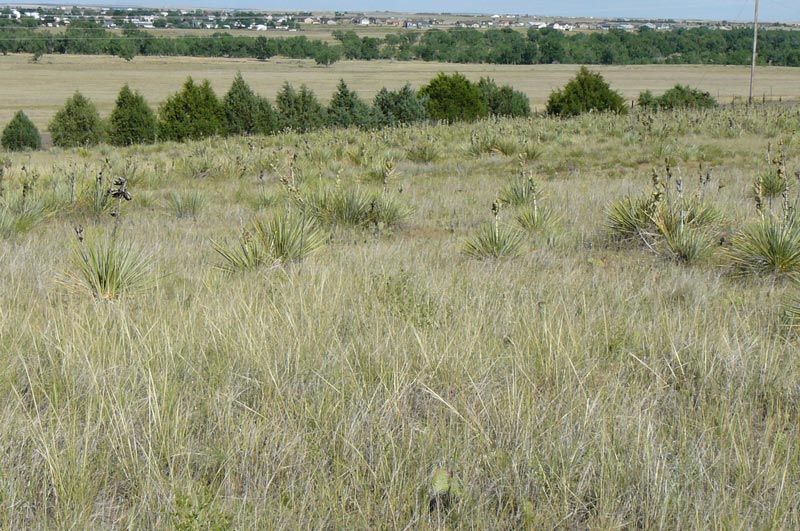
196 112
458 45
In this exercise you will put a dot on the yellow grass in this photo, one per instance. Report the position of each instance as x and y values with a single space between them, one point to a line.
40 89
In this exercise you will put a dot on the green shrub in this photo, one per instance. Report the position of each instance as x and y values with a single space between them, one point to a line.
132 120
346 109
191 114
399 107
588 91
299 111
504 101
77 123
21 134
246 113
454 98
677 97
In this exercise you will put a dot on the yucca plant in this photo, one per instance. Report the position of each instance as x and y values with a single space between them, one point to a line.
20 217
186 204
791 315
770 247
289 238
685 244
108 268
523 190
246 254
534 218
284 238
423 153
352 207
494 240
629 217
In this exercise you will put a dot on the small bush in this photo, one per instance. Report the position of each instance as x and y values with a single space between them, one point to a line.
588 91
191 114
504 101
399 107
21 134
454 98
678 97
77 124
132 120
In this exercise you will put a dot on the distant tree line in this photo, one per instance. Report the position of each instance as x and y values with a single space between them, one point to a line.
195 112
457 45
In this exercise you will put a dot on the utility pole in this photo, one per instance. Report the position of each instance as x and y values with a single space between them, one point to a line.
755 50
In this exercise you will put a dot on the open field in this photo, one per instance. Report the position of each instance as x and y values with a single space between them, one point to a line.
584 383
40 89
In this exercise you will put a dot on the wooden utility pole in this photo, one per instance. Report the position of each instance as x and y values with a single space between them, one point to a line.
755 51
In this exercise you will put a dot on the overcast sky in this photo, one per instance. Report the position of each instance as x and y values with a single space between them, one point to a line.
771 10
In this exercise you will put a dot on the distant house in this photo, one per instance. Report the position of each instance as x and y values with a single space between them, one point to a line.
364 21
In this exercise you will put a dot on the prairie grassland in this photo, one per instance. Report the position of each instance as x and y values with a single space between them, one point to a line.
580 384
41 89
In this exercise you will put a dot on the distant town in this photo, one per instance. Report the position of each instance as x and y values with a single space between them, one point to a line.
33 16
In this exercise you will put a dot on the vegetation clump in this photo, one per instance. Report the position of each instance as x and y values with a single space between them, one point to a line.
504 100
299 110
454 98
247 113
77 124
678 97
191 114
587 92
21 134
346 109
400 107
132 120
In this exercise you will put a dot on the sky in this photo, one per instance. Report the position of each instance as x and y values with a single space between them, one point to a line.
771 10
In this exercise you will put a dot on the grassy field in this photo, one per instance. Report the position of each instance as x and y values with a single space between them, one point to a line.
40 89
584 383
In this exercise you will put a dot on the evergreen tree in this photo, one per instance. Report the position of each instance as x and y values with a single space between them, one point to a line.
191 114
504 101
21 134
132 120
299 110
266 121
399 107
346 109
241 107
77 123
454 98
588 91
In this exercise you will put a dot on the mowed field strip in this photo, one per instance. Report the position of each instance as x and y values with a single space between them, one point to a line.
41 89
